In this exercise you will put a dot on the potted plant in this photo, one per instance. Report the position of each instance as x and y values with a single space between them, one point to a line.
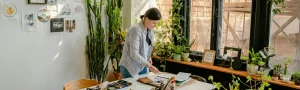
296 78
115 34
186 50
276 71
253 62
177 51
286 77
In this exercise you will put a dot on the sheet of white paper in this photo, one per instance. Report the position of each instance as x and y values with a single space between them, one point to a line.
181 76
37 1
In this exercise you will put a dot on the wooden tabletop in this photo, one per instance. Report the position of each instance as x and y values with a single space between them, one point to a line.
290 84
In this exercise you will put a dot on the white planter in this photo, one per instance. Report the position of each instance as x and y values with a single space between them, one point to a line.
286 78
177 57
185 56
251 69
281 76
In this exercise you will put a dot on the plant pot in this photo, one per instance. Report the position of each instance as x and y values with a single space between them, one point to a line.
275 78
264 71
252 69
297 82
117 75
281 76
286 78
185 56
177 57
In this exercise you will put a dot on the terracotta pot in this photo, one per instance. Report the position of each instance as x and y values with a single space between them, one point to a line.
117 75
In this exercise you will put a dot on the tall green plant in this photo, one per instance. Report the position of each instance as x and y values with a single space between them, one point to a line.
116 36
95 47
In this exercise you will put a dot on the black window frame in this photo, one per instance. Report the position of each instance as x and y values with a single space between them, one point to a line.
259 28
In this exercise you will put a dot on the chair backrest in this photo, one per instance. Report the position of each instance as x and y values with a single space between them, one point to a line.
79 84
198 78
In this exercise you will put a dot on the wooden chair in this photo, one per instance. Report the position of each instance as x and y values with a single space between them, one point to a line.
199 78
79 84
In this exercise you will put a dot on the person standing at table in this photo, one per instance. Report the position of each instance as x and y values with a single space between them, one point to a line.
136 54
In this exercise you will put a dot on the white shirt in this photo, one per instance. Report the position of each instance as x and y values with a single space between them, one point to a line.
136 50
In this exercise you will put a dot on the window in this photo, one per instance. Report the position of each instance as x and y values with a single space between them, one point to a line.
236 19
200 24
285 35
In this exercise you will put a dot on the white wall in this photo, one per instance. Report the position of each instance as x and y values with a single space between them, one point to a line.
27 59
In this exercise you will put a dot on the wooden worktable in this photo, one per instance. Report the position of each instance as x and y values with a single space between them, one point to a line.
290 84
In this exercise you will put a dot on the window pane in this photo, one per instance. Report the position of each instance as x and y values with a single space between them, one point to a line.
236 21
284 35
200 24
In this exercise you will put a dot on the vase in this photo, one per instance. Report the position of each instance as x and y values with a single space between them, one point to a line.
185 56
286 78
177 57
252 69
117 75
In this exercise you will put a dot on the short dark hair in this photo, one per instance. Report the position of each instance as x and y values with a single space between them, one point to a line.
152 14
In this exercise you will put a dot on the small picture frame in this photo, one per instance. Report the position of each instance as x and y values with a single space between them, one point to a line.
208 56
37 1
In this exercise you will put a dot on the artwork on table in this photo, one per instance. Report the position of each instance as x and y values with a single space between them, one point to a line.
57 24
78 9
70 25
52 5
9 10
65 10
208 56
37 1
29 21
43 16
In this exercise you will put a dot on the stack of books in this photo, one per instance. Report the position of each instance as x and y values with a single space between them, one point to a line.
182 78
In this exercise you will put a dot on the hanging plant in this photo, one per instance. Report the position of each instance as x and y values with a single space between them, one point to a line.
95 47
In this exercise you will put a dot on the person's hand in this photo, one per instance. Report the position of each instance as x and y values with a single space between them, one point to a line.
154 69
150 60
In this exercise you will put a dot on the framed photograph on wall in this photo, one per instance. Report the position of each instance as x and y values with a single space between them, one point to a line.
37 1
208 56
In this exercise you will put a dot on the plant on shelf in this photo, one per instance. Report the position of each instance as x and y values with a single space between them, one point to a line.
95 47
296 78
276 71
116 35
259 84
286 77
254 61
177 51
186 49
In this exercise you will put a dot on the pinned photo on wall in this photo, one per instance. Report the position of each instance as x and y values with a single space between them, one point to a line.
78 9
9 10
70 25
52 5
65 10
43 16
29 21
57 25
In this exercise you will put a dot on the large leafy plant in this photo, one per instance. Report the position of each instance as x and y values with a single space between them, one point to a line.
95 47
116 36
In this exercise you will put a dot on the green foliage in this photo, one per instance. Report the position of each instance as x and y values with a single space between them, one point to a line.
95 47
285 65
277 70
235 83
177 49
116 36
277 2
256 58
296 77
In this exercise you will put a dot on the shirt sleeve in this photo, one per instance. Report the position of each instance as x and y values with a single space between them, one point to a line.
134 42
